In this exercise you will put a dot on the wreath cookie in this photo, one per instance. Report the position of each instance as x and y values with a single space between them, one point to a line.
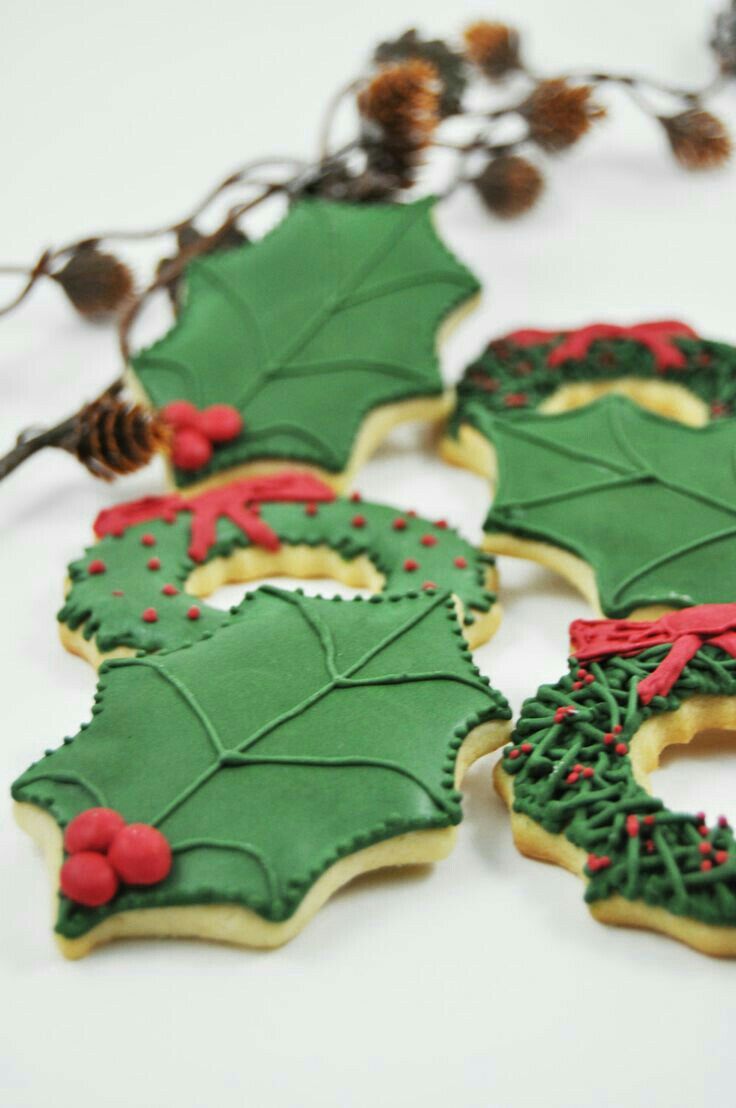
309 346
637 511
137 588
576 776
227 788
663 366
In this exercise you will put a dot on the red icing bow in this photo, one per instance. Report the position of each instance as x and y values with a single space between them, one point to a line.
687 631
656 336
233 501
196 432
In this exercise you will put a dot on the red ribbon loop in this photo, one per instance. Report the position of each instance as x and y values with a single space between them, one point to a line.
687 631
657 336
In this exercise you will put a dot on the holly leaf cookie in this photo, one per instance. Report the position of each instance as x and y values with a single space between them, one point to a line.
304 742
321 337
636 510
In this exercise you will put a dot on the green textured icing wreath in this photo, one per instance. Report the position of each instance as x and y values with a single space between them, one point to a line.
573 776
130 589
523 370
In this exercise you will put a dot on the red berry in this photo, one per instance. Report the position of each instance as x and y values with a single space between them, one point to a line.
632 826
310 510
358 521
722 821
154 563
191 449
621 748
704 848
526 748
97 566
721 856
706 864
617 729
93 829
571 778
608 739
649 820
429 585
700 817
88 878
577 685
428 540
118 592
410 565
170 590
194 612
140 854
588 771
411 513
220 422
589 679
148 539
180 413
441 523
516 400
514 753
703 830
460 562
356 497
150 615
399 524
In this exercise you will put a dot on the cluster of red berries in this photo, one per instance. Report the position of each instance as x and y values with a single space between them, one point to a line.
103 851
196 432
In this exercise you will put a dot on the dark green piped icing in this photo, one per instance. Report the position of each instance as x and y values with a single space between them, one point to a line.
639 849
510 379
116 620
302 730
331 315
648 503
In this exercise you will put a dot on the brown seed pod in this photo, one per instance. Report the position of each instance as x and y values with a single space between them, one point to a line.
112 437
403 101
699 140
558 114
509 185
96 283
493 47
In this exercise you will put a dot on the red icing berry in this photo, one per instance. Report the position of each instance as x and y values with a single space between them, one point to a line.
412 514
88 878
399 524
649 820
621 748
721 856
441 523
706 864
700 817
722 821
428 540
460 562
516 400
564 712
140 854
526 748
180 413
703 830
410 565
310 510
514 753
191 449
93 829
589 679
588 771
597 862
358 521
617 729
429 585
194 612
150 615
577 685
96 566
581 673
356 497
704 848
572 778
608 739
118 592
170 590
220 422
154 563
632 826
148 539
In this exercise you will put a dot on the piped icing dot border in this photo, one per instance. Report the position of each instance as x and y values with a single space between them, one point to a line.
523 369
141 602
571 766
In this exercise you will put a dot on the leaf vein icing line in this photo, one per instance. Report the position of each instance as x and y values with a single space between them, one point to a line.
184 692
347 365
70 779
408 678
437 277
240 303
672 555
272 882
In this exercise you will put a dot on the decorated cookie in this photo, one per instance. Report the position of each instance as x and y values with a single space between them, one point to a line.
639 512
576 775
311 344
139 587
245 777
663 366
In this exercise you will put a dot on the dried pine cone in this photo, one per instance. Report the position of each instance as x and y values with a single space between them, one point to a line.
699 140
509 185
558 114
449 66
96 283
112 437
493 47
723 40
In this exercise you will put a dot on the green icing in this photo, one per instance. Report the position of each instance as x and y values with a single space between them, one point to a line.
648 503
302 730
115 620
511 379
330 316
658 860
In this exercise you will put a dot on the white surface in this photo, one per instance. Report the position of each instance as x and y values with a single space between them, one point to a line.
483 981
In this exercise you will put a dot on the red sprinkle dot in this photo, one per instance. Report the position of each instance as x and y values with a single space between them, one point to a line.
722 821
358 521
588 771
150 615
399 524
526 748
700 817
617 729
356 497
589 679
572 778
514 753
621 748
649 846
441 523
170 590
703 830
581 673
460 562
310 510
412 514
649 820
410 565
704 848
516 399
577 685
154 563
721 856
148 539
428 540
706 864
632 826
194 612
97 566
608 739
429 585
118 592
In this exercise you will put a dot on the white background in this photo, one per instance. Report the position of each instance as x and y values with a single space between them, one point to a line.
482 981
